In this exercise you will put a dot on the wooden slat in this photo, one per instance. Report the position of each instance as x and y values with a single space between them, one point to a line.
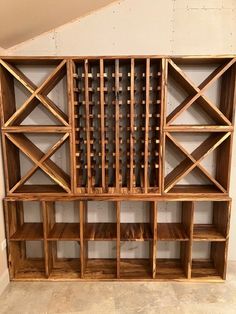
102 122
131 154
135 231
118 231
146 181
117 127
87 111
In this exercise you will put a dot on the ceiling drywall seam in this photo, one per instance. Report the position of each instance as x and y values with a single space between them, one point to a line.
61 26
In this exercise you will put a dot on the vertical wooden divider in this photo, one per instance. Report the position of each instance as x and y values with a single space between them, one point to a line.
153 243
45 234
87 112
131 154
117 126
147 88
102 120
186 247
10 251
83 244
71 69
48 223
118 204
164 77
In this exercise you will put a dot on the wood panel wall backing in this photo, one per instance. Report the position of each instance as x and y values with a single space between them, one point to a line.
118 129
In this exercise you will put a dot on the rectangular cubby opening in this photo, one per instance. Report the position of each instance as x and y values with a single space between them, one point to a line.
117 110
209 260
172 259
25 220
135 259
100 259
137 236
26 259
63 219
174 221
64 259
211 221
99 235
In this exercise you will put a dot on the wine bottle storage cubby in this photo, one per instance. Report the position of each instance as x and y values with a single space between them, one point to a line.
117 168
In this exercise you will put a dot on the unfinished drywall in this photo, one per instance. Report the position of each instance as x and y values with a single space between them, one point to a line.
146 27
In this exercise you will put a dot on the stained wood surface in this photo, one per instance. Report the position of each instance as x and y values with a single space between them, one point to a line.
171 231
124 83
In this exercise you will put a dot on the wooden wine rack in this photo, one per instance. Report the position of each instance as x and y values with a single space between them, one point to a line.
118 129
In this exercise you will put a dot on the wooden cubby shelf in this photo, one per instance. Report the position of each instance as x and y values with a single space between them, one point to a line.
117 168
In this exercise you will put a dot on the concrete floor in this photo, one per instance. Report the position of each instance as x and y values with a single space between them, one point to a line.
87 297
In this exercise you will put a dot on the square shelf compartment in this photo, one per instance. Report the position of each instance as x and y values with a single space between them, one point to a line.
135 221
100 221
64 260
209 260
211 221
100 260
174 221
27 260
172 260
135 260
63 221
25 220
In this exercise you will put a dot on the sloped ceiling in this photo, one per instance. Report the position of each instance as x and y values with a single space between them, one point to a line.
25 19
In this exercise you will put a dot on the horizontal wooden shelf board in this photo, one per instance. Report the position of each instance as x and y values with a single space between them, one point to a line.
53 196
100 268
207 232
40 189
171 231
198 128
138 268
65 268
195 190
169 269
177 58
64 231
204 269
28 231
135 231
36 129
100 231
30 269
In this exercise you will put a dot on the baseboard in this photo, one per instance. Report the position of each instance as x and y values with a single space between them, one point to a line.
4 281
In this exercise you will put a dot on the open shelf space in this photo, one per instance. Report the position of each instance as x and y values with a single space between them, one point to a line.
29 262
64 260
211 221
100 260
208 260
172 260
135 262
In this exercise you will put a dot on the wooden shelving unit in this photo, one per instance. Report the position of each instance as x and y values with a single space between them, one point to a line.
124 141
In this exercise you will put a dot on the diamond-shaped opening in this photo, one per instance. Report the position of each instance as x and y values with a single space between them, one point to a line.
196 73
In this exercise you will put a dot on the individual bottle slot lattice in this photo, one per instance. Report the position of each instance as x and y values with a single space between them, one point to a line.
124 125
139 120
154 123
110 111
80 125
